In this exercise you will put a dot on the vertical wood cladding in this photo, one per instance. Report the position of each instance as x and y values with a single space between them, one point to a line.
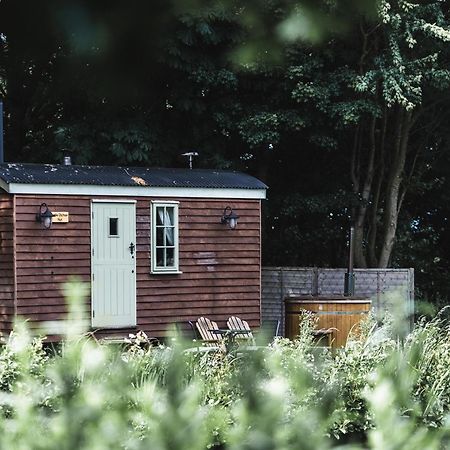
220 267
6 263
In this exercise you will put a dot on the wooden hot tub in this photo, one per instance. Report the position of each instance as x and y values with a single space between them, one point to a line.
337 315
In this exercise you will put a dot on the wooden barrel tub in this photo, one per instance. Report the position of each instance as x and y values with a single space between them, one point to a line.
337 316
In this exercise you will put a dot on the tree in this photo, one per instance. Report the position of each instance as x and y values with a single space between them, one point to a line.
341 130
377 95
109 83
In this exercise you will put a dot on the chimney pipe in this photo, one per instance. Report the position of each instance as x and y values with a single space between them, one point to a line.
67 161
349 282
2 156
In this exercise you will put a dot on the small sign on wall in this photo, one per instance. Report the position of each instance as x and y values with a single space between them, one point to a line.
60 217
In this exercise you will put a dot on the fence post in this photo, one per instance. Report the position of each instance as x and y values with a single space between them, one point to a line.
282 299
315 282
412 306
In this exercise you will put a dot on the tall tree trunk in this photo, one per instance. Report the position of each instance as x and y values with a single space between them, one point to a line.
376 197
358 218
364 193
393 186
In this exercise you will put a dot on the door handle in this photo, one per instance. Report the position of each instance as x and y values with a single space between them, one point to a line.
132 247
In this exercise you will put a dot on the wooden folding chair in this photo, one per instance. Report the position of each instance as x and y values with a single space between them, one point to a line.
236 323
204 325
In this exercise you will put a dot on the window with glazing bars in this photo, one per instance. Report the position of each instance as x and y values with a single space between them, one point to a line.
165 237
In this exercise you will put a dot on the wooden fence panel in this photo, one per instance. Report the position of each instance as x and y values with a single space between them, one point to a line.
388 289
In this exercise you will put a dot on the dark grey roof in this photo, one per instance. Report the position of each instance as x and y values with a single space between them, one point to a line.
126 176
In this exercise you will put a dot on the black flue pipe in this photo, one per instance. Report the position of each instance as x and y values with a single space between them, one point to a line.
2 156
349 281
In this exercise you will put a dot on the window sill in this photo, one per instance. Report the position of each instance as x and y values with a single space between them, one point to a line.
165 272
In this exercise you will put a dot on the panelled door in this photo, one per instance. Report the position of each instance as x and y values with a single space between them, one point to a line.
113 253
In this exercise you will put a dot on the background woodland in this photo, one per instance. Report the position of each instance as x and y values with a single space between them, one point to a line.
342 109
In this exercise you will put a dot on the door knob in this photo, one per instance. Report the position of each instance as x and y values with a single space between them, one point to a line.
132 247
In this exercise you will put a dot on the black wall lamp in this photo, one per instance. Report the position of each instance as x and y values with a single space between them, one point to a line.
44 216
229 217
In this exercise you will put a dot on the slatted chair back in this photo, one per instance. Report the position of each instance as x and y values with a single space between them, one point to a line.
204 325
236 323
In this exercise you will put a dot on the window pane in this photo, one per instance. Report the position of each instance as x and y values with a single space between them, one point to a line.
160 236
170 257
160 257
160 215
170 235
169 215
113 226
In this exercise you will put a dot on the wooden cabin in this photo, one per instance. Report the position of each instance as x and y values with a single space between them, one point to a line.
155 245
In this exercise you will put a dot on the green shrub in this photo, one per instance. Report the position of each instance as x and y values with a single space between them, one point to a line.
379 392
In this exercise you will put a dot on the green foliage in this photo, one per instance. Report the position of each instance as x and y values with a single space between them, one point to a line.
289 395
352 92
241 84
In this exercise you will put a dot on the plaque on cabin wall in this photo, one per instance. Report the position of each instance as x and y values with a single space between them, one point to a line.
60 217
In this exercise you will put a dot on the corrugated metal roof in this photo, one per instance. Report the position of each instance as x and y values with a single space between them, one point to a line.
126 176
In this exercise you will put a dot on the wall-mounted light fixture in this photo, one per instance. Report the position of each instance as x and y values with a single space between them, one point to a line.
229 217
44 216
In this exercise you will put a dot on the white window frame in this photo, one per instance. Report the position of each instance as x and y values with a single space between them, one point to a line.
175 269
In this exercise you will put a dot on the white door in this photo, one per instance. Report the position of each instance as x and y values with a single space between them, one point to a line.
113 253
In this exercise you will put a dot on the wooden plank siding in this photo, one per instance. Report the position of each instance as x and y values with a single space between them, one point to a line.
220 267
6 263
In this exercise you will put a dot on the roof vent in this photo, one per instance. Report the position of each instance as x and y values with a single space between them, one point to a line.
190 155
67 161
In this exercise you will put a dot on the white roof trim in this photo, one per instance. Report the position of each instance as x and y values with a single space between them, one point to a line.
132 191
4 185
